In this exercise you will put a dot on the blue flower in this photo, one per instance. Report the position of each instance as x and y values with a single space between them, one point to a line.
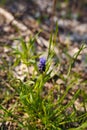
42 64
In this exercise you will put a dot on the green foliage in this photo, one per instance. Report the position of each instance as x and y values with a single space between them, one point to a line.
41 108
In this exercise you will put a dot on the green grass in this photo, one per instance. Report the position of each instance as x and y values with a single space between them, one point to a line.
31 104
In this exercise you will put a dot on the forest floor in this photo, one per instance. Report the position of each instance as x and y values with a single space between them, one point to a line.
25 18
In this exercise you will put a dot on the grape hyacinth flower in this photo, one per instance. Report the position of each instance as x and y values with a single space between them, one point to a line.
42 64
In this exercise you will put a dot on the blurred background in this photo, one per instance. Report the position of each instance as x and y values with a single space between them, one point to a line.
71 16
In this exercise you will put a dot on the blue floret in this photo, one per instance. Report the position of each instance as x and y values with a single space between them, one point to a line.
42 64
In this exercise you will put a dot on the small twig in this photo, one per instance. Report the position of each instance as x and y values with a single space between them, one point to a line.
53 13
11 19
54 6
12 89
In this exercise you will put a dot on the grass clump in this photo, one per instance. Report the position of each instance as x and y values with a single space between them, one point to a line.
40 102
